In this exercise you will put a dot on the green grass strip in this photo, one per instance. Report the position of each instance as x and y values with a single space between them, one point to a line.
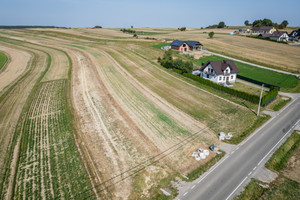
280 158
264 75
3 59
203 168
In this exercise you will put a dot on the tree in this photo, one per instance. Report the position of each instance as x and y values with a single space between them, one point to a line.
135 35
267 22
211 34
97 26
246 23
182 29
283 24
131 26
221 25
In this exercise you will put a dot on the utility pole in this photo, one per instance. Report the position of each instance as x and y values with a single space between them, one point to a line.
262 87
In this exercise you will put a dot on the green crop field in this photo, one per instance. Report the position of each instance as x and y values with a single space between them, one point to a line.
3 59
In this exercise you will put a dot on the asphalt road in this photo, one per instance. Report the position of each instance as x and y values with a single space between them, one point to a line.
224 179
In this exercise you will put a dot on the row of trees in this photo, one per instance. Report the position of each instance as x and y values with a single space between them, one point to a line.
267 22
168 62
124 30
220 25
182 29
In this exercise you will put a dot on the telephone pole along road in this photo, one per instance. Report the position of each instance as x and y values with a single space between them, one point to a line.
229 174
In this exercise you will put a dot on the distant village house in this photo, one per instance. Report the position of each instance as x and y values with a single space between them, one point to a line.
222 72
276 35
294 35
185 46
263 29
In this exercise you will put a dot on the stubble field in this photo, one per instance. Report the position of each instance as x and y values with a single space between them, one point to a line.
92 115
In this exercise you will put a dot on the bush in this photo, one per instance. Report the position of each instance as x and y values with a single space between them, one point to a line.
211 34
168 62
269 97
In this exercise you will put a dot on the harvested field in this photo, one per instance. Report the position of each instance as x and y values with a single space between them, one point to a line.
50 166
16 66
257 51
124 125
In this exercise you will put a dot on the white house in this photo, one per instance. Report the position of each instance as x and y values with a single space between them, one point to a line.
276 35
222 72
263 29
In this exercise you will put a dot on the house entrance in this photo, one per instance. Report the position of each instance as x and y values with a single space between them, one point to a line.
227 78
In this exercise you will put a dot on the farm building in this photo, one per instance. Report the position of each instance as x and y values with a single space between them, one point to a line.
263 29
222 72
276 35
184 46
294 35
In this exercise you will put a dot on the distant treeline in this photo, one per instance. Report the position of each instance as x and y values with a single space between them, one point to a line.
20 27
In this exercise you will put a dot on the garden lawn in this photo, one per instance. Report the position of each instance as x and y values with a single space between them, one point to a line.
160 45
284 81
3 59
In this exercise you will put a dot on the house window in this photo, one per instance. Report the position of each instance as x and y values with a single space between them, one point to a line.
226 71
220 78
231 76
224 78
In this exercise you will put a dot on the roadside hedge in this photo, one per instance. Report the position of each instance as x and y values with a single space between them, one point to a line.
243 95
269 97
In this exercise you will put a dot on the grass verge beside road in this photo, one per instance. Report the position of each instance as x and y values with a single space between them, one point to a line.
3 59
282 187
280 158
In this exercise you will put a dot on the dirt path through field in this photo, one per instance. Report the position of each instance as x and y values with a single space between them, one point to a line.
15 67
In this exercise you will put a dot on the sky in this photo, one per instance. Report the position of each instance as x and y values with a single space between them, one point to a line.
145 13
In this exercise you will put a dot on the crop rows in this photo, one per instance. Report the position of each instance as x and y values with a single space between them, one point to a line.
49 165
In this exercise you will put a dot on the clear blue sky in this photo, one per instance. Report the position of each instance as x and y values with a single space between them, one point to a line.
145 13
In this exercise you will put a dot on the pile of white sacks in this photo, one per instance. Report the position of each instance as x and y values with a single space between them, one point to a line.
223 136
200 154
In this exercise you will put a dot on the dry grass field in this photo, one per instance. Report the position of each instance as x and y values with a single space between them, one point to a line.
272 54
89 114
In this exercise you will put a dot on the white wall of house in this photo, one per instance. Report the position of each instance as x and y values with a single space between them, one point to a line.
283 37
210 74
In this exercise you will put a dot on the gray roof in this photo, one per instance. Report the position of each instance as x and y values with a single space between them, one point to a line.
220 66
295 33
262 28
191 43
274 34
177 43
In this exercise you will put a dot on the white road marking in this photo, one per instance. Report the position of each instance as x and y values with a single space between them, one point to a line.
185 193
193 186
262 160
236 188
249 173
254 168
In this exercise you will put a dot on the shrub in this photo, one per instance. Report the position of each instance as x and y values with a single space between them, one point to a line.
211 34
269 97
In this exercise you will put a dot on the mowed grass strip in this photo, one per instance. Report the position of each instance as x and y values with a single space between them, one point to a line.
285 81
3 59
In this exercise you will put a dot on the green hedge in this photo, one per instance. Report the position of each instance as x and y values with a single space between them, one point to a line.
269 97
243 95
